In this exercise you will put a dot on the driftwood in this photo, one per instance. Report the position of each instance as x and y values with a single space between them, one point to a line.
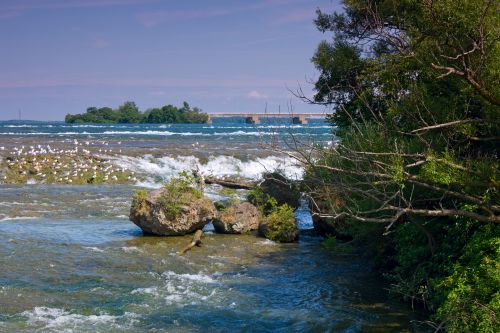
195 242
228 184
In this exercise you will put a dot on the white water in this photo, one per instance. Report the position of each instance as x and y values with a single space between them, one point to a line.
217 166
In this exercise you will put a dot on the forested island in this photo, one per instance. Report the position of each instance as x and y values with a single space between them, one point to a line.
129 113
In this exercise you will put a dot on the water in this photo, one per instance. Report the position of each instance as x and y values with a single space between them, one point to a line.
70 261
226 135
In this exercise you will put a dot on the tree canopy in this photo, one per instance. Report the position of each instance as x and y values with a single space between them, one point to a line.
414 91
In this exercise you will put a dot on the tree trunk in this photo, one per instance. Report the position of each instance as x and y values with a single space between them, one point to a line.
228 184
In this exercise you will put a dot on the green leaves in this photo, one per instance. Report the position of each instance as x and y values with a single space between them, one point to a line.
414 92
129 113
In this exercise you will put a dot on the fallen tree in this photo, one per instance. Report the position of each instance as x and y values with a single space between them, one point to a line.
195 242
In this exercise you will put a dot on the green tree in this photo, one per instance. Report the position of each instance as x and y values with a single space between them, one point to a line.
414 91
128 112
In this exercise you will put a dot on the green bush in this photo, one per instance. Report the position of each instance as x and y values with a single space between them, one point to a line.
178 193
263 201
471 293
139 201
280 225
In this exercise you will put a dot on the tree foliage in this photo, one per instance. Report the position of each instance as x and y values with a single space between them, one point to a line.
128 112
414 92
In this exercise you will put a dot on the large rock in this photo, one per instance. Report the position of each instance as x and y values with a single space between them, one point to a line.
153 216
281 188
237 218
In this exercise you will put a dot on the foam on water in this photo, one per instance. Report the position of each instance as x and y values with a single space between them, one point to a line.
200 277
61 320
9 218
158 133
217 166
93 248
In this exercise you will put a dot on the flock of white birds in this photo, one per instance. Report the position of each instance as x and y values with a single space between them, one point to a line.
76 163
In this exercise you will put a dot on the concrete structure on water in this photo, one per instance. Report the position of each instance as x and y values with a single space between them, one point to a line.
254 118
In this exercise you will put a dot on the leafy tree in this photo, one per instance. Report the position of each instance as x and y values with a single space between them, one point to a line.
414 91
128 112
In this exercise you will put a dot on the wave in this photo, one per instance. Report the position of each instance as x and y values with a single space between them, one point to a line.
59 319
15 218
164 168
24 126
265 126
164 133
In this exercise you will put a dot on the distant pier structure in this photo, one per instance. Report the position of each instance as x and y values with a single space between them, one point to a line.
254 118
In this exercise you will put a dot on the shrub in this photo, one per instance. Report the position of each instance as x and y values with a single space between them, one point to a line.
139 201
263 201
280 225
471 292
179 192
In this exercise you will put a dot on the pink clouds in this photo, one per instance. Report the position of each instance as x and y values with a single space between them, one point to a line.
256 95
153 18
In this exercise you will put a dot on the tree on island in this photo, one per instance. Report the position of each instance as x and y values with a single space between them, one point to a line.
414 177
129 113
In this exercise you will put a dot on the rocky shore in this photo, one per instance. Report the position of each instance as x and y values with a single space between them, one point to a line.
180 208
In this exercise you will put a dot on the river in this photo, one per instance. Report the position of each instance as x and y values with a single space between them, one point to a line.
70 261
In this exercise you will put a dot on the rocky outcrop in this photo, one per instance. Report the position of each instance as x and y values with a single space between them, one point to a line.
237 218
154 214
281 188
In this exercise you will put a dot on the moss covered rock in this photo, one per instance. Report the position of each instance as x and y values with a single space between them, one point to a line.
176 209
237 218
282 189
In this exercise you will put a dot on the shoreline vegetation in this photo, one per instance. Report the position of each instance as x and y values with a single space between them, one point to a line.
414 178
129 113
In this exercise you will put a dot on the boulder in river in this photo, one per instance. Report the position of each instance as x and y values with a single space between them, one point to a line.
237 218
282 189
171 211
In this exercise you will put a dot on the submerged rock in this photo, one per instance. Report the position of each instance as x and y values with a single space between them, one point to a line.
237 218
157 213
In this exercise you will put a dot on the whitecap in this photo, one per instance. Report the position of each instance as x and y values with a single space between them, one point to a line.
186 276
14 218
220 166
130 249
93 248
56 318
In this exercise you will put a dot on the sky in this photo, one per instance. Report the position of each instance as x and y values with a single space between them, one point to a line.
62 56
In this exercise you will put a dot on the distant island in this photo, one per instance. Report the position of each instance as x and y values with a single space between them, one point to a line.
128 113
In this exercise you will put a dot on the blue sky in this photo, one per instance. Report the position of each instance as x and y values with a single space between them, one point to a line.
61 56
